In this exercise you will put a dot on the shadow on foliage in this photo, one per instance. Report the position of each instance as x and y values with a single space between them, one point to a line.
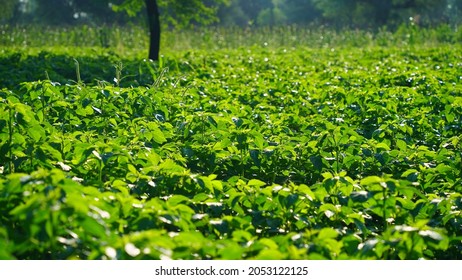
17 68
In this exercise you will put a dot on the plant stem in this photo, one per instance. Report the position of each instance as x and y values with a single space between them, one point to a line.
10 142
100 175
384 209
77 71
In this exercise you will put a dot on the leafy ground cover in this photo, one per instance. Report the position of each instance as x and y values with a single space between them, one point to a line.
256 152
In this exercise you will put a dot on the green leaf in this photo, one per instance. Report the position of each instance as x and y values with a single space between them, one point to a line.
205 182
383 146
177 199
90 226
270 254
256 183
401 145
133 169
371 180
81 152
36 132
328 207
171 167
212 121
55 154
24 114
217 185
327 233
406 203
200 197
231 251
242 236
158 136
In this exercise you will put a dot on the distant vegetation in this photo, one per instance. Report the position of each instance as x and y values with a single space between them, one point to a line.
337 13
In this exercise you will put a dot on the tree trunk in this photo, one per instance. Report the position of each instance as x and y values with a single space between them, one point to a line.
154 29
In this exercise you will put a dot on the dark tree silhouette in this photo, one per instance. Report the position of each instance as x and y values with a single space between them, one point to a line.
154 29
176 13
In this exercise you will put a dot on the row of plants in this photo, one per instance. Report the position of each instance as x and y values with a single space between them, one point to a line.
132 39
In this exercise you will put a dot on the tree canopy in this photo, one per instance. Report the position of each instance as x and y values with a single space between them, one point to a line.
177 13
366 13
183 13
8 8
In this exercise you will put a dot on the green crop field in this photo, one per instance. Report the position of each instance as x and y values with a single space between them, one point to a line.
273 144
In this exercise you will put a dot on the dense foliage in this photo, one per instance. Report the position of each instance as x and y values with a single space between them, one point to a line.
263 152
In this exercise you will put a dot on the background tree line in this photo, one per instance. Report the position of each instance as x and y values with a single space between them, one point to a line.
337 13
